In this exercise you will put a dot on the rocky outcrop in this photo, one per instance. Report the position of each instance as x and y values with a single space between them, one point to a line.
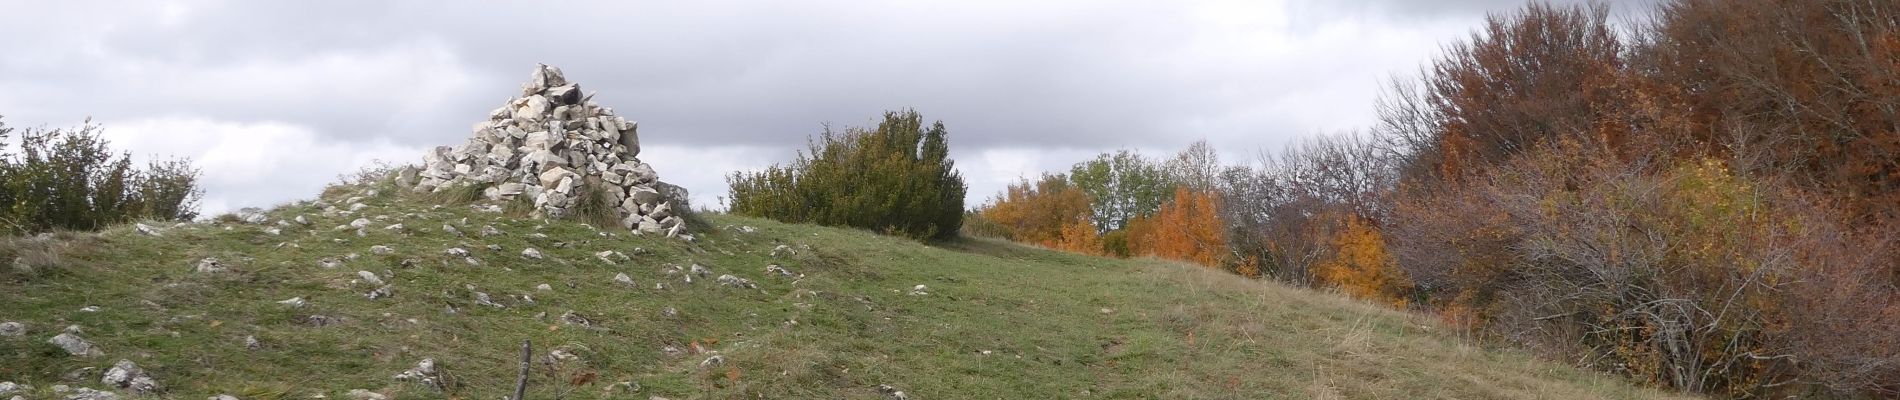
554 144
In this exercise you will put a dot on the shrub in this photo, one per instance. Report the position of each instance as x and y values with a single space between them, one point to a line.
71 179
896 178
1045 213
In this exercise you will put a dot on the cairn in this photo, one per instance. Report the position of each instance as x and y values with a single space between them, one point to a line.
555 145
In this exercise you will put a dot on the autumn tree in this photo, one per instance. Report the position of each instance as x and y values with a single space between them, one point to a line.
1049 212
1360 266
1187 228
1810 89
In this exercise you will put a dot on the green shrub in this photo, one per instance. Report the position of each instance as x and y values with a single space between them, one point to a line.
896 179
71 179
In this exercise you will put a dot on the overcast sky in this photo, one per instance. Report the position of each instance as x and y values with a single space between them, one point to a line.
275 99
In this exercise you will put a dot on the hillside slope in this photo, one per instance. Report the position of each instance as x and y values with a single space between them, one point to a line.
994 320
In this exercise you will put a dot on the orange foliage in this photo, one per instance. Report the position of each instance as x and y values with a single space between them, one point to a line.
1079 237
1361 267
1186 228
1050 213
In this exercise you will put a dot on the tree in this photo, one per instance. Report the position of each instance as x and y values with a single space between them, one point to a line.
1360 266
1121 186
1187 228
896 178
1049 212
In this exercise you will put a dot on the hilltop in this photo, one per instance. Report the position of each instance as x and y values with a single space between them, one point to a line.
284 303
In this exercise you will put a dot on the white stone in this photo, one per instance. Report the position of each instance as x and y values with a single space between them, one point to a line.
370 278
12 329
531 253
623 279
209 265
75 345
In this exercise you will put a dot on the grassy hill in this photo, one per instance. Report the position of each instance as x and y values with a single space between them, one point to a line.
998 320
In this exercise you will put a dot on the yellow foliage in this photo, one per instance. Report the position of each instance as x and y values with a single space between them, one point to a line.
1187 228
1361 267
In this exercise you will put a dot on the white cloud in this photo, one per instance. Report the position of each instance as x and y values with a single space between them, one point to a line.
275 99
252 163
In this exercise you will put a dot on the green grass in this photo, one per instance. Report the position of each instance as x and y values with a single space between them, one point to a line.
1001 320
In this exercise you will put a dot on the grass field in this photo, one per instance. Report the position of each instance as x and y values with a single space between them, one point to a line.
999 320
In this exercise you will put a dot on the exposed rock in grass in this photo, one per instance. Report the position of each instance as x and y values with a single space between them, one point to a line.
456 252
364 394
574 318
209 265
483 299
329 262
425 373
75 345
783 250
85 393
780 271
919 290
381 249
490 230
669 312
294 302
222 397
381 293
544 287
15 329
623 279
531 253
318 320
147 230
702 272
7 388
450 229
734 281
370 278
611 257
714 361
892 393
360 223
127 375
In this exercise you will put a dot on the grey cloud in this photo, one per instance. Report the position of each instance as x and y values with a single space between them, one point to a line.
1061 76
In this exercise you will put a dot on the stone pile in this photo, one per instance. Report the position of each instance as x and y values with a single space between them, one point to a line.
555 145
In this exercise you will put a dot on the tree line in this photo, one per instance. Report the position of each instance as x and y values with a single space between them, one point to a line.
1708 201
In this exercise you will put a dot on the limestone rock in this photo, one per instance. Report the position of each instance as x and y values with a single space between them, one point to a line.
128 376
425 373
209 265
624 280
12 329
555 145
364 394
75 345
531 253
734 281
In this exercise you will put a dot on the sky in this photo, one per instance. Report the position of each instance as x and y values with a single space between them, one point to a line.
273 100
